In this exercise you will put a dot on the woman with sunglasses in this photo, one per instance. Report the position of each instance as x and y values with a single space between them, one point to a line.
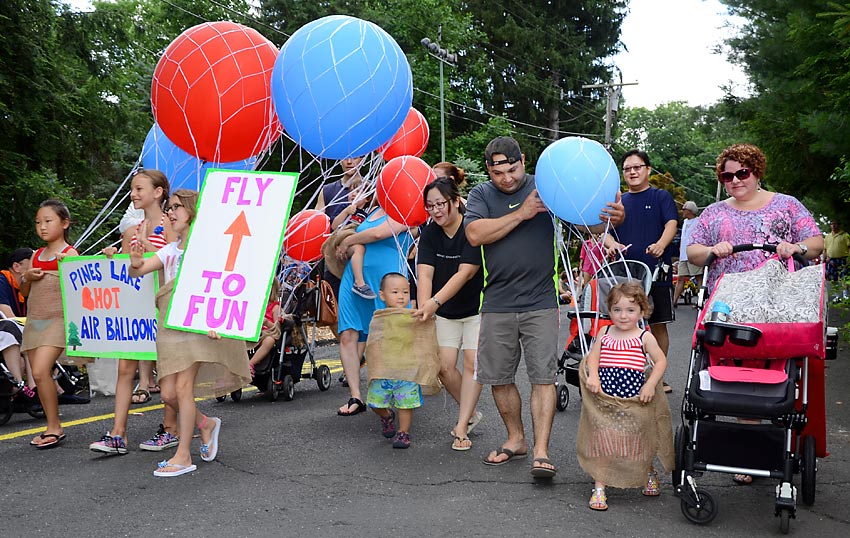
751 214
450 283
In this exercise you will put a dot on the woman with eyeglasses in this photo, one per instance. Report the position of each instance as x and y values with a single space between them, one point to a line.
450 283
751 214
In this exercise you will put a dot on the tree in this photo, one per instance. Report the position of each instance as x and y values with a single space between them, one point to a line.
682 142
74 336
795 54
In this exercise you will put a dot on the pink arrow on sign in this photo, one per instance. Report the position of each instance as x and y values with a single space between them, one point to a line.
238 229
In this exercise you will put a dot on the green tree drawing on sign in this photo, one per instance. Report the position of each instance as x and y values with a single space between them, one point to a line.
73 336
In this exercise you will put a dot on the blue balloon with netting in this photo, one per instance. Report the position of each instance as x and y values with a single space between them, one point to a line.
576 177
341 87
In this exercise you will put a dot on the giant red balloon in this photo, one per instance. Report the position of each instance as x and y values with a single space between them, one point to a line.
411 138
305 234
399 189
211 92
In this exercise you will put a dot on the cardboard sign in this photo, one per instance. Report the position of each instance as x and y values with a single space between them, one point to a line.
231 253
108 313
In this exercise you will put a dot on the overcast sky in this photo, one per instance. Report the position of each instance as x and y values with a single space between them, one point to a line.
670 53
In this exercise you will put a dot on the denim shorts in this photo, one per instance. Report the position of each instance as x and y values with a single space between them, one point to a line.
386 393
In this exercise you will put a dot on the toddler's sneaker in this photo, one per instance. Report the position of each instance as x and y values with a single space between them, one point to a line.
110 444
388 425
364 291
402 440
161 440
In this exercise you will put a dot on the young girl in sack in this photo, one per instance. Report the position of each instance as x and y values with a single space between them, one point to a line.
625 418
189 364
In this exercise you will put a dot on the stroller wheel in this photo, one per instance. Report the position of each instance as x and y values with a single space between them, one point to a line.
680 443
287 388
563 398
702 512
236 395
808 470
272 389
785 521
323 377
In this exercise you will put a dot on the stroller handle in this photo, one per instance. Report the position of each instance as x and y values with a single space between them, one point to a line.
756 246
702 296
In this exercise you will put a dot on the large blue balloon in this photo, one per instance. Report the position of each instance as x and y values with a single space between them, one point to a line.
341 87
181 168
576 177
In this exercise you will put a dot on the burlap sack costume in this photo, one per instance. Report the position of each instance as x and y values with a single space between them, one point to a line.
618 438
45 318
401 347
224 363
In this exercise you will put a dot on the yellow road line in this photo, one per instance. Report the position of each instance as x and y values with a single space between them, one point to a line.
88 420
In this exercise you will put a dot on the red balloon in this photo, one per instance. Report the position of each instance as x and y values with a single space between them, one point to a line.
399 189
411 138
305 234
211 92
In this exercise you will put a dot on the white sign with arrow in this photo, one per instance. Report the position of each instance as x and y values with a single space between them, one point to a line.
232 253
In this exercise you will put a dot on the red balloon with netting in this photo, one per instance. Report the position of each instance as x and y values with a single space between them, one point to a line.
411 138
399 189
211 92
305 234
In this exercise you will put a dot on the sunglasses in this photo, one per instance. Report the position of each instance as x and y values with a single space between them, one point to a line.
742 174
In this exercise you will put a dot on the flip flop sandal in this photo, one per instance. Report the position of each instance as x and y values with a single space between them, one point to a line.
181 469
154 389
210 450
538 471
140 393
57 439
473 422
508 452
357 410
456 444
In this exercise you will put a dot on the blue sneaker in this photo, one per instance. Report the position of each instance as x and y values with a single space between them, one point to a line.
110 444
161 440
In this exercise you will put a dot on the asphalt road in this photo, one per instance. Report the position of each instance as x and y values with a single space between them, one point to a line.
296 469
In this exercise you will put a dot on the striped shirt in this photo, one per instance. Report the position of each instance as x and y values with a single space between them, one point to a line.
156 239
627 353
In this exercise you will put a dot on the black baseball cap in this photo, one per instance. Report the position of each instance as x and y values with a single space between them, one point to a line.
505 145
20 255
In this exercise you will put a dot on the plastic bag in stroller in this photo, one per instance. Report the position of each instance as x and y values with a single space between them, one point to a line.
590 316
754 400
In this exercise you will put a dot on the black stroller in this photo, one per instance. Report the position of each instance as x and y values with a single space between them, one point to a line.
758 357
278 373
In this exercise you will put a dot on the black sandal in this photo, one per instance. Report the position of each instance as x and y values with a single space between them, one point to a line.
361 407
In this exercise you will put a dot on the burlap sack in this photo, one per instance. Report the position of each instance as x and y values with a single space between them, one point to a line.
332 263
618 438
274 332
401 347
45 319
224 363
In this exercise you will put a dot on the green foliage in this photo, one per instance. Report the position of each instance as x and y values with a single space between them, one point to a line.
795 53
682 142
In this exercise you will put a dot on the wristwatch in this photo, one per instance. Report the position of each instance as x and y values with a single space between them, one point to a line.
803 248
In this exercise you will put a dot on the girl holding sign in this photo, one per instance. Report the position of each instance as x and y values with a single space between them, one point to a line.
187 362
148 191
44 337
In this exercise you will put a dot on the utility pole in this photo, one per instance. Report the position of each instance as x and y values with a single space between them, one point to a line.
612 92
445 57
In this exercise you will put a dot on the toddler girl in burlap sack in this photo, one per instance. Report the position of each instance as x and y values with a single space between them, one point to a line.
625 419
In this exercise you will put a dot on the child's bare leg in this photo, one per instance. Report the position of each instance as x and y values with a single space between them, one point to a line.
405 419
357 254
263 350
30 377
146 381
123 395
43 359
14 361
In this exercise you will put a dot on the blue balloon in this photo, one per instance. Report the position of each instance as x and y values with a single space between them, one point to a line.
182 169
341 87
576 177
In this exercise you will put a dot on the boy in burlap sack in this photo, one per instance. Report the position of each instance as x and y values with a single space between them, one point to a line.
403 360
625 418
